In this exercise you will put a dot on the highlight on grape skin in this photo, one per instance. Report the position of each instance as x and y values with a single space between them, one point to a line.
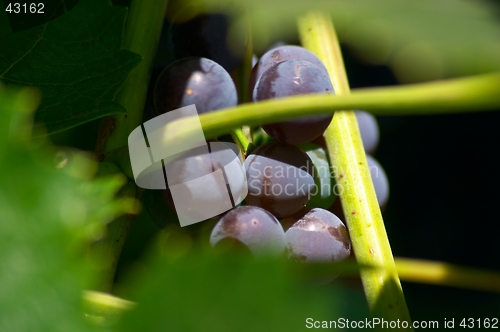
280 178
253 226
320 237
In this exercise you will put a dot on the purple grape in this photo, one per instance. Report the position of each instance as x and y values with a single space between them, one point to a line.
280 178
280 53
379 179
198 81
256 228
206 35
368 127
319 236
290 78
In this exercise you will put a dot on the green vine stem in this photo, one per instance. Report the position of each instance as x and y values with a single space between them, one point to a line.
102 308
471 94
445 274
105 304
240 139
363 217
141 36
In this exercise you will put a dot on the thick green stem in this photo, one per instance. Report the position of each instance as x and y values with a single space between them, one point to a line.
142 33
363 217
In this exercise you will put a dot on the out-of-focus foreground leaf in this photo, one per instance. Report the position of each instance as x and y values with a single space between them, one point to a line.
197 291
50 210
421 40
75 60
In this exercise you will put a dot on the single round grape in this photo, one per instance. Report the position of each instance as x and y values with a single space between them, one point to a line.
278 53
280 178
290 78
198 81
368 127
319 236
253 226
211 36
379 179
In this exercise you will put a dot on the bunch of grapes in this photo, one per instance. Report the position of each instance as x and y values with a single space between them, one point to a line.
291 187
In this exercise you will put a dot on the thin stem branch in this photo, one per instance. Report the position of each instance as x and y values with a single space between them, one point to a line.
141 36
363 217
471 94
445 274
100 308
240 139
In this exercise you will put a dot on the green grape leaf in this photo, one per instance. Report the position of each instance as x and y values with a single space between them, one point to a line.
195 290
51 209
420 40
75 60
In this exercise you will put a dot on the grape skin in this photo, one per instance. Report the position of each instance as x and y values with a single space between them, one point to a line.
368 128
319 236
290 78
280 178
278 54
253 226
198 81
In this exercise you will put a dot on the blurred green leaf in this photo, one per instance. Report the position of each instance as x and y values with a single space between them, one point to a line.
421 40
75 60
50 210
201 292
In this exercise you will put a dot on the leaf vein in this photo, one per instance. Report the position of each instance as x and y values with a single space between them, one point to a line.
27 52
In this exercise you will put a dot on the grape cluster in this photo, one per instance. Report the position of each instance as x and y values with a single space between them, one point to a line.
291 187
